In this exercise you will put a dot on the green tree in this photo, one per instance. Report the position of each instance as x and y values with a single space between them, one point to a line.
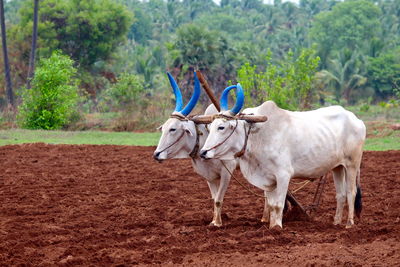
141 29
384 73
53 98
86 30
390 22
347 25
344 74
197 46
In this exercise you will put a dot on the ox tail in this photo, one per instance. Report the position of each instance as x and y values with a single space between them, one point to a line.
358 200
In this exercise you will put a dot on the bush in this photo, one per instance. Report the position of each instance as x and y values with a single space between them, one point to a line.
52 100
126 94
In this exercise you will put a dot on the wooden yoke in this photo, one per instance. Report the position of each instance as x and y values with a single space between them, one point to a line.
208 90
206 119
252 118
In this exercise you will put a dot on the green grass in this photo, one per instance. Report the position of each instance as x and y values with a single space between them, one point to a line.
18 136
376 113
382 143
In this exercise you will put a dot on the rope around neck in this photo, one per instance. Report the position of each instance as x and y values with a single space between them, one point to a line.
241 152
176 141
245 187
217 145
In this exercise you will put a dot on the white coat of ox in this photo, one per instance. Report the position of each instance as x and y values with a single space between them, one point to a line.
178 140
293 144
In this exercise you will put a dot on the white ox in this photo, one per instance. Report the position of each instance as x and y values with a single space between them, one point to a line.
179 139
293 144
213 171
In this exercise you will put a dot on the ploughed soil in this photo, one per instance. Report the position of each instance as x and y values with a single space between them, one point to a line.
113 205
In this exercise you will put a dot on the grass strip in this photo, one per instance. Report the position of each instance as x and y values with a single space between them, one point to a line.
19 136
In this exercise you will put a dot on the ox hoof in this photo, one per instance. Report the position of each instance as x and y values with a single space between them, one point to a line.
275 228
215 224
349 225
337 221
264 220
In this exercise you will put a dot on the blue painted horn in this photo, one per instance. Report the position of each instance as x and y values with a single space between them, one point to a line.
177 92
239 99
178 96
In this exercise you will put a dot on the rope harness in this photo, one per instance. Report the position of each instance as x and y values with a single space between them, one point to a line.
196 147
217 145
176 141
226 117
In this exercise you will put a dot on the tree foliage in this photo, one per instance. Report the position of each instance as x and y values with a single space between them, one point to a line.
86 30
347 25
288 83
384 73
355 41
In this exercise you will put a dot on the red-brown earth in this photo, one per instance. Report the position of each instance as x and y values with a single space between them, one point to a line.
113 205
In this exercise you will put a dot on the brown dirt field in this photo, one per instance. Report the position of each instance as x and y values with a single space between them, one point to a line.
113 205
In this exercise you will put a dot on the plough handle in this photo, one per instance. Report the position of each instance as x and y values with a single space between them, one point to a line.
208 90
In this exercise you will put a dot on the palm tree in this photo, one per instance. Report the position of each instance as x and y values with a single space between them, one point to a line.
10 94
344 74
31 69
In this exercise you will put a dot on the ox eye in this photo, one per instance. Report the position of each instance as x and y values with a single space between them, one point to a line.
221 128
172 130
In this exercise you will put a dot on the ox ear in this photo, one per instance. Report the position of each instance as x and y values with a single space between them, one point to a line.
231 124
188 131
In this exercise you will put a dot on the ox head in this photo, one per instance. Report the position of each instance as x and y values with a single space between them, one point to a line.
228 131
178 136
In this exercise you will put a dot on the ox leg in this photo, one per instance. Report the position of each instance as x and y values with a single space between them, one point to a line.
213 185
340 185
276 201
265 216
351 175
219 193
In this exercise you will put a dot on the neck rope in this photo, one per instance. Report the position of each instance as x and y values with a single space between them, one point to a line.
242 151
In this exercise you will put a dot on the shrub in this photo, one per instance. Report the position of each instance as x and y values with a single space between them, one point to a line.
126 94
52 100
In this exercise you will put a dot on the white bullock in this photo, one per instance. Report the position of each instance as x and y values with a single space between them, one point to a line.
181 138
293 144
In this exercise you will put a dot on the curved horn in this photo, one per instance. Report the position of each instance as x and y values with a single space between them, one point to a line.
177 92
239 99
195 97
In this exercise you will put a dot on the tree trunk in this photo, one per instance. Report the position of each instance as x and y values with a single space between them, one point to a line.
10 95
346 94
31 69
